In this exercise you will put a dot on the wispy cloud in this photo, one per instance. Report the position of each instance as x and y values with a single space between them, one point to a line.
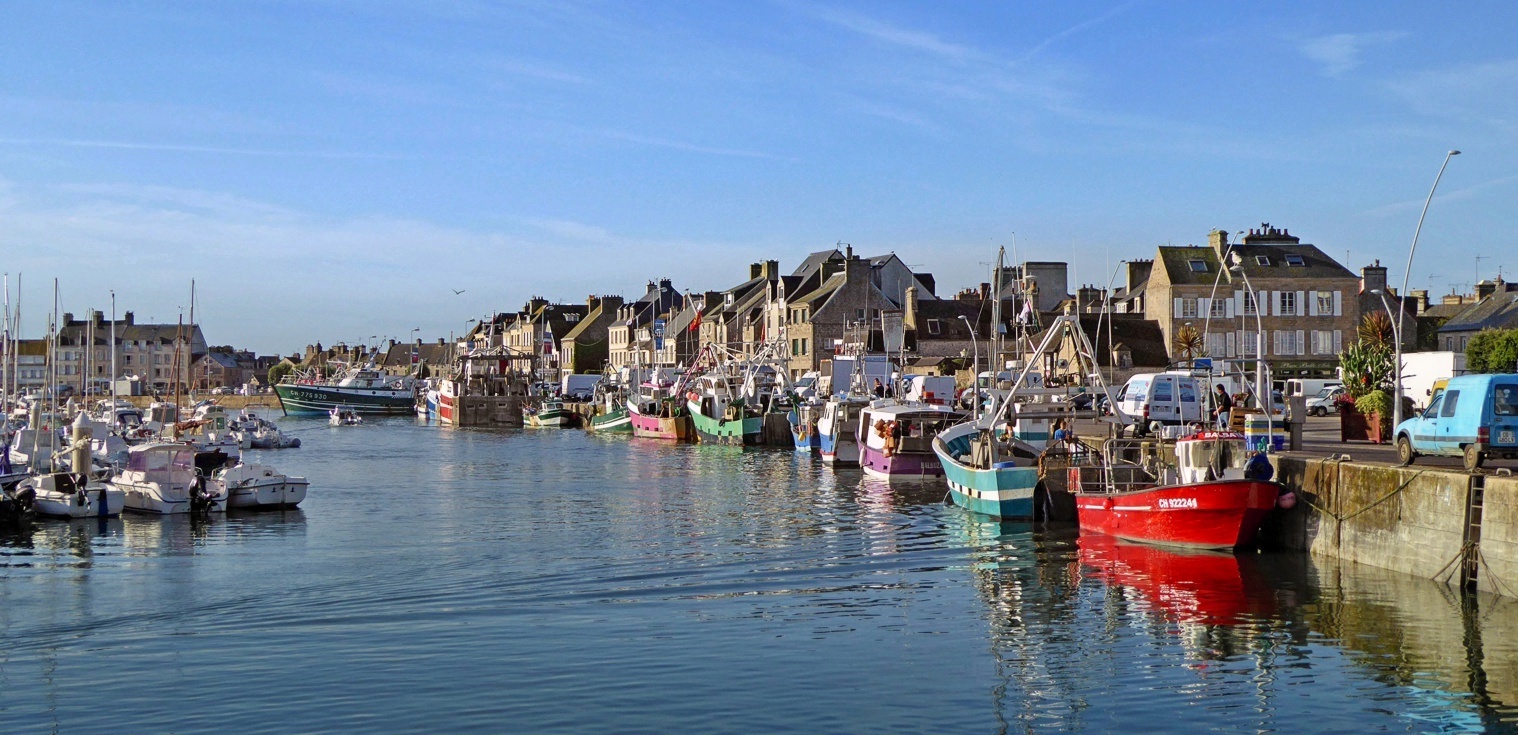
181 148
135 239
1340 53
1485 93
1079 27
575 231
1450 195
896 36
683 146
530 70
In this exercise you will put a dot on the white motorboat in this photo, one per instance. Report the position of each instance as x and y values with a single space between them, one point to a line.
343 416
255 432
160 478
259 487
72 495
77 494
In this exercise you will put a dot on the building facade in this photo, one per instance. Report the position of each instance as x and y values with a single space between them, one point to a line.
1306 303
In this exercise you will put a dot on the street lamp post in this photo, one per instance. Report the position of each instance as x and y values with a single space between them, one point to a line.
975 367
1397 349
1261 369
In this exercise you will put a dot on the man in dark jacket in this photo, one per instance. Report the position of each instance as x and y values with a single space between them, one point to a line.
1223 404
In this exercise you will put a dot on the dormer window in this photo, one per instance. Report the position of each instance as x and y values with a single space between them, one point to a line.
933 326
1292 259
1262 260
1198 265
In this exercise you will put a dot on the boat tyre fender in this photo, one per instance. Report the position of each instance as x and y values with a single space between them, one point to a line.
1107 503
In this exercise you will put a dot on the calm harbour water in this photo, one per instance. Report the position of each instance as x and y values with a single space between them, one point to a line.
442 581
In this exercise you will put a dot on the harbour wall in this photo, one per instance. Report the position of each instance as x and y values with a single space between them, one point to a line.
1454 527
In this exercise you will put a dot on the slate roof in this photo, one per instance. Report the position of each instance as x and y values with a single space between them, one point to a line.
813 262
1444 311
1176 260
399 354
950 326
1498 311
1142 337
224 359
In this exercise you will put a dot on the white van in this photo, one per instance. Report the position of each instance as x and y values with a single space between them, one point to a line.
1169 399
1310 387
935 389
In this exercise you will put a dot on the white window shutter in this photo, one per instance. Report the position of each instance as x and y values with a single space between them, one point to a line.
1300 348
1312 305
1178 309
1228 309
1231 345
1238 302
1301 296
1338 303
1338 341
1203 305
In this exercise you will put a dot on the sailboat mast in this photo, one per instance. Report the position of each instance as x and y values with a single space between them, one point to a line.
996 337
113 358
5 357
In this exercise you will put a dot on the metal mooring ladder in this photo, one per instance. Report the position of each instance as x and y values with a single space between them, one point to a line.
1470 562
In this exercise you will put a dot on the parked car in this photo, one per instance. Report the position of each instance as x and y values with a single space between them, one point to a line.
1325 402
1475 417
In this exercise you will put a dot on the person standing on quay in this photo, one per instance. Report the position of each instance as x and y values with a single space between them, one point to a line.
1224 405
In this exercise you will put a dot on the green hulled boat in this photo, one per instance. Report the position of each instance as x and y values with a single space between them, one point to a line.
613 421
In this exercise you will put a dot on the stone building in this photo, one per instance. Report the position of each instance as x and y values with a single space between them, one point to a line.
159 354
631 334
1307 302
585 349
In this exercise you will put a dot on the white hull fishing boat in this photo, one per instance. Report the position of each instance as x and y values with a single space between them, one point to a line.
836 430
259 487
160 479
551 415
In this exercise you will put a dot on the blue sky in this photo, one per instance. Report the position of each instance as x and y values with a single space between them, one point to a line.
335 169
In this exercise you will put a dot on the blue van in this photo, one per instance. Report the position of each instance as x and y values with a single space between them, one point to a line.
1475 417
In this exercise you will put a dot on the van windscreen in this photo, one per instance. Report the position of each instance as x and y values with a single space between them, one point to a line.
1505 399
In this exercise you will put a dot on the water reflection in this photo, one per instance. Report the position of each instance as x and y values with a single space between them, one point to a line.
1254 635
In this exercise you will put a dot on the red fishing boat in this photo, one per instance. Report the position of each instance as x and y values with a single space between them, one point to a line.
1202 496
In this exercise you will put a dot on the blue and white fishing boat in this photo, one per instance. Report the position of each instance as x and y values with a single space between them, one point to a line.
803 420
992 463
986 474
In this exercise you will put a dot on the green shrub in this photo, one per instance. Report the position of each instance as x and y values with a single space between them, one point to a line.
1492 351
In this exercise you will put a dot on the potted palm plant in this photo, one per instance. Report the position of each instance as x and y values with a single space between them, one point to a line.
1366 368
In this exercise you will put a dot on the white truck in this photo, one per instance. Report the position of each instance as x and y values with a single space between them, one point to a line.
935 389
1420 370
863 369
579 386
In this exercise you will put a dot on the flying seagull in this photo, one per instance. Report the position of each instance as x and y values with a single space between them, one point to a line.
457 292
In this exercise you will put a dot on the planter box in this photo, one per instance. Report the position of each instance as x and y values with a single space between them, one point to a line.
1356 426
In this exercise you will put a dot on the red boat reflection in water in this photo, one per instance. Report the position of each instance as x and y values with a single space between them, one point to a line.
1209 587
